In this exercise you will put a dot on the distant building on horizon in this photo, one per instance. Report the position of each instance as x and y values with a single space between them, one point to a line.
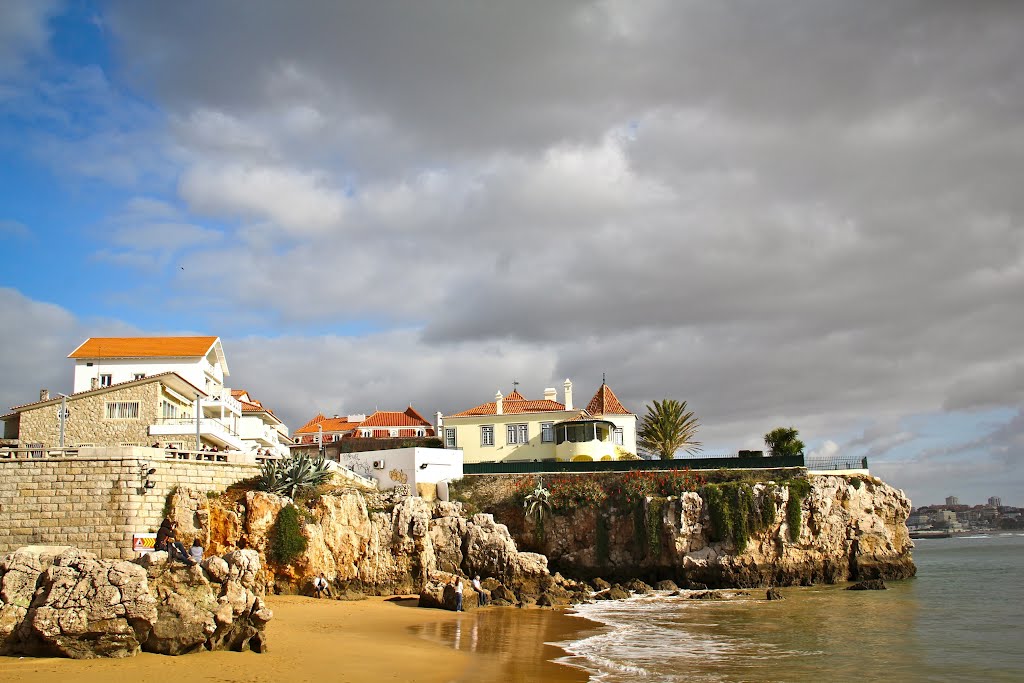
995 501
952 500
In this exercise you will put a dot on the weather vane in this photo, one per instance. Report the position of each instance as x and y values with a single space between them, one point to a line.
515 385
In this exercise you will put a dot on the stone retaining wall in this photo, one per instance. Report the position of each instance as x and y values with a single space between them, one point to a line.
97 502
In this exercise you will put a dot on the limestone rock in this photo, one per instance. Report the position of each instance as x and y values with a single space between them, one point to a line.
600 584
86 608
439 593
666 585
869 585
637 586
773 594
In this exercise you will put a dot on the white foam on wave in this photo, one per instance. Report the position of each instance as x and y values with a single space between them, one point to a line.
979 536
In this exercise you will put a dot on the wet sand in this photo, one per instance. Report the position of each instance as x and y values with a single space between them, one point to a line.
371 640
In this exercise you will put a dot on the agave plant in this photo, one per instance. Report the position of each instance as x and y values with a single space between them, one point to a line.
286 477
538 502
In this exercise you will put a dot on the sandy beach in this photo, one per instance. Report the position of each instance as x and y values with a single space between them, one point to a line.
371 640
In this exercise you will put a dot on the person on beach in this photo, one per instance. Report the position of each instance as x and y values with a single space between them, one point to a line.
480 591
196 551
320 586
458 593
168 542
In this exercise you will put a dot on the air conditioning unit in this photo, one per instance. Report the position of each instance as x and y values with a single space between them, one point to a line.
378 464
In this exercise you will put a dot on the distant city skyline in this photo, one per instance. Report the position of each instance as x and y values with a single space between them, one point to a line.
786 214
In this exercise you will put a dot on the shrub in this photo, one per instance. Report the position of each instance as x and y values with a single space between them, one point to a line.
798 489
286 539
767 506
622 454
856 482
718 512
572 492
655 507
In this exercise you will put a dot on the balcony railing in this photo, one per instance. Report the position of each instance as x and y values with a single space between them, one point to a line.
188 425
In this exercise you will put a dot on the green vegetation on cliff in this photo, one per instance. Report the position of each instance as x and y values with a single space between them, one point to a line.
286 539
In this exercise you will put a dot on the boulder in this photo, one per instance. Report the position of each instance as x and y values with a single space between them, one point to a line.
439 593
86 608
617 592
666 585
638 586
19 573
545 600
600 584
706 595
869 585
773 594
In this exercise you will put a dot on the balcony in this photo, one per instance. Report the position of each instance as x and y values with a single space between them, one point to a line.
222 399
210 430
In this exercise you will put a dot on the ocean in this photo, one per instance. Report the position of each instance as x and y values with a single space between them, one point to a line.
960 619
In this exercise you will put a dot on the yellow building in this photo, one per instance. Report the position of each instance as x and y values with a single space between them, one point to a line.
515 428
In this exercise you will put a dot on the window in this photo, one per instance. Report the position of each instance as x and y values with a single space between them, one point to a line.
106 380
122 410
547 432
449 437
365 433
487 435
140 375
421 432
617 436
516 434
168 410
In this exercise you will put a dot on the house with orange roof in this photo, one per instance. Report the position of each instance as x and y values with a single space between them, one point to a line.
382 424
145 391
513 427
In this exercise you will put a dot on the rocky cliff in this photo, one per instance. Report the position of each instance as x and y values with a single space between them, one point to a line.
849 529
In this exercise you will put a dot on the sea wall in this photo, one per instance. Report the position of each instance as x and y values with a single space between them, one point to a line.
97 501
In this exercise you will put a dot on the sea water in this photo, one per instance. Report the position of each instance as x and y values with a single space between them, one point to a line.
960 619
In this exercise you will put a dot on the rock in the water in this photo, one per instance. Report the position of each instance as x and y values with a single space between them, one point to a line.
869 585
600 584
695 586
666 585
706 595
617 592
773 594
545 600
638 586
439 593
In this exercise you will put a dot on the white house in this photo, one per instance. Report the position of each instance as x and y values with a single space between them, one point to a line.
197 401
516 428
412 466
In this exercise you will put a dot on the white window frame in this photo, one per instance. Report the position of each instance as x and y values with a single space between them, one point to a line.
106 380
122 410
618 436
421 432
449 437
516 434
366 433
168 410
547 432
392 433
486 435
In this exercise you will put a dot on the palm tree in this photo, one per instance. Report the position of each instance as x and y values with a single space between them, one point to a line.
666 428
783 441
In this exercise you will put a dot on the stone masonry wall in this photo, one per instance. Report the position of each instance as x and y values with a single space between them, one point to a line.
96 502
87 421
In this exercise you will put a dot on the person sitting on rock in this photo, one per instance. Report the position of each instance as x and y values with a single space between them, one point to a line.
166 541
196 551
320 586
481 592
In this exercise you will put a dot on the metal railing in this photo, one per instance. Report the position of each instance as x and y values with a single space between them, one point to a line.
206 424
707 463
837 462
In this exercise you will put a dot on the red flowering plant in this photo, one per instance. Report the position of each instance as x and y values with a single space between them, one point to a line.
569 492
633 487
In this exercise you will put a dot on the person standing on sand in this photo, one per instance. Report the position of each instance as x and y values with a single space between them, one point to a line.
320 586
458 593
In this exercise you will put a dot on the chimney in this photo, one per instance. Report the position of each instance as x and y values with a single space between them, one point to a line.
550 394
499 409
94 382
439 422
44 394
568 394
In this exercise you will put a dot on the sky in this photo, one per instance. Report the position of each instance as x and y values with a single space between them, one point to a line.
800 213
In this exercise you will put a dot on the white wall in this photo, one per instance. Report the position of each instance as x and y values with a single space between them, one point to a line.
415 465
124 369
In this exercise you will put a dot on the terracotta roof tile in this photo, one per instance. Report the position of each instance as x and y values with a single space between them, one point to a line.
383 418
513 408
329 424
515 396
605 402
143 347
